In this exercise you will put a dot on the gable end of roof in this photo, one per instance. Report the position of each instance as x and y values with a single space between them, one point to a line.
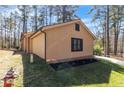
61 24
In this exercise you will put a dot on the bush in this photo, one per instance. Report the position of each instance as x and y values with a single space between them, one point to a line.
97 50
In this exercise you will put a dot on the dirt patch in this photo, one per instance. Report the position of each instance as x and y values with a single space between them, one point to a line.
8 60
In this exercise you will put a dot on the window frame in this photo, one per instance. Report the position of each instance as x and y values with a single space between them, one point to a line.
78 46
77 27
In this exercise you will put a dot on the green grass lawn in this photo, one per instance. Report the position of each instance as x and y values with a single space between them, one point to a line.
102 73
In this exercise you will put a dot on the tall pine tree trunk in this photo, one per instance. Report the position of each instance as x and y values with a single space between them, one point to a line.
117 31
11 45
115 39
46 15
50 17
5 36
105 41
1 36
9 41
64 13
107 32
14 42
122 45
24 19
19 34
35 14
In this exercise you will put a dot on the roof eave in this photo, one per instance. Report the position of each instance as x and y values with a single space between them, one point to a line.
88 30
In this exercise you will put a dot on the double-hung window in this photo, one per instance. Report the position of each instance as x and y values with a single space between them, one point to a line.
76 44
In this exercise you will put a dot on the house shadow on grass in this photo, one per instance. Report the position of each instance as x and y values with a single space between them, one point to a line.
40 74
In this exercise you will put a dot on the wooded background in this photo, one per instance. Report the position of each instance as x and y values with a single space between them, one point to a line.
27 18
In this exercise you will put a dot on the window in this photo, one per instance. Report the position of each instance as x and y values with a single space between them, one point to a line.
77 27
76 44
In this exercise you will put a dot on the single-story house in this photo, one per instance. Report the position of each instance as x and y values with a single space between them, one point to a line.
60 42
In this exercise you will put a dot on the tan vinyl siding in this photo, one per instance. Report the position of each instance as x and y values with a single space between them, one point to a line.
59 43
38 45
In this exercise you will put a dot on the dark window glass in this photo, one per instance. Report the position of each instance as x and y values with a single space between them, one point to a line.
76 44
77 27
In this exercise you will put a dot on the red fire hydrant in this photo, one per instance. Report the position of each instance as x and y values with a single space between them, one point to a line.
9 78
